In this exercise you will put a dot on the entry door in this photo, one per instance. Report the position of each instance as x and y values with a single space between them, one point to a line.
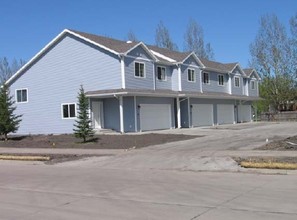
97 111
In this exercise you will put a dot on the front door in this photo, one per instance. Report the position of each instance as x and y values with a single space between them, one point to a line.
97 112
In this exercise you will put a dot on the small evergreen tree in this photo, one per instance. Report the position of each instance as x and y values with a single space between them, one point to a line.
82 125
9 122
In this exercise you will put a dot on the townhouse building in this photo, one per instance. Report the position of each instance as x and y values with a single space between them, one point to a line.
131 87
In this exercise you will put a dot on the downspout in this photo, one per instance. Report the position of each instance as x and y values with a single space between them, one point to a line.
179 78
123 71
154 76
230 83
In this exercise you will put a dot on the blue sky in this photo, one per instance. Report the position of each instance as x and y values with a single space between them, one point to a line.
229 25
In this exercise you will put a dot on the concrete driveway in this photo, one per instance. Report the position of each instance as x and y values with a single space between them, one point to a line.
159 182
213 151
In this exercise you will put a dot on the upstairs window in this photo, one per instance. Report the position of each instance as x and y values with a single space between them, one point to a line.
191 75
21 95
68 111
206 78
221 79
236 81
139 70
253 84
161 72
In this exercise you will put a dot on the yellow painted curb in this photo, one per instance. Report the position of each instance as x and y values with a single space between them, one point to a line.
25 158
269 165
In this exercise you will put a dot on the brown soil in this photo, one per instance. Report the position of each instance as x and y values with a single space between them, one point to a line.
281 145
98 142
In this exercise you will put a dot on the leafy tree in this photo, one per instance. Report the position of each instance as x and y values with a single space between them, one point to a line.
271 54
7 69
194 41
9 122
131 36
82 125
163 39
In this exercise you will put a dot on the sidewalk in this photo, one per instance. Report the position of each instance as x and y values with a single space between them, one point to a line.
98 152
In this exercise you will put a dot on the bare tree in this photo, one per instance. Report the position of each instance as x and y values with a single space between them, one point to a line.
271 54
7 69
293 40
163 39
194 41
131 36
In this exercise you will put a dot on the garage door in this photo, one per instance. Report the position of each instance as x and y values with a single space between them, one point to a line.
155 116
225 114
202 114
244 113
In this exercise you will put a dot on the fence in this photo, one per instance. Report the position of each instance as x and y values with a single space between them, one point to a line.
280 116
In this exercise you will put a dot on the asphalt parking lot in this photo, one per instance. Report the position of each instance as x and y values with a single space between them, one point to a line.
193 179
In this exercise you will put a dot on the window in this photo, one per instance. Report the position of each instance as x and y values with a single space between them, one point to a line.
206 78
68 111
139 69
161 72
221 79
236 81
253 84
191 75
21 95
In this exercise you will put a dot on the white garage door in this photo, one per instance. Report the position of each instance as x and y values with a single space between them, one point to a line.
202 114
225 114
155 116
244 113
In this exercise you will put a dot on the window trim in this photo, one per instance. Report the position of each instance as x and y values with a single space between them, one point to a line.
16 95
208 81
219 80
194 75
237 77
144 72
254 81
165 76
62 112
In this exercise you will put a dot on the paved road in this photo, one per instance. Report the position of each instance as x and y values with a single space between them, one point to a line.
137 185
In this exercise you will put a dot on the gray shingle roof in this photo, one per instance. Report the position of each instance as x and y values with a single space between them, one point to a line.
175 55
113 44
248 71
214 65
122 47
230 66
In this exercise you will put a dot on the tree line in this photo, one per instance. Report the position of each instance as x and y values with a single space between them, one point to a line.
193 39
274 56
